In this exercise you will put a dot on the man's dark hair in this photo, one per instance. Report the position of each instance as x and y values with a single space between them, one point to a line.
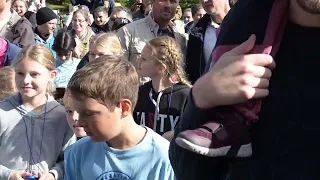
64 43
187 10
101 9
195 8
128 12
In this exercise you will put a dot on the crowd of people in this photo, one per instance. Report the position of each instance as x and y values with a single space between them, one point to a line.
156 92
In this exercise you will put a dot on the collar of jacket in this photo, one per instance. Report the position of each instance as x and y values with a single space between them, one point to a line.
88 36
154 27
200 28
38 38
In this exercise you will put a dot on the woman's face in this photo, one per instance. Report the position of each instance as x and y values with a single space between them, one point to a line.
20 7
79 22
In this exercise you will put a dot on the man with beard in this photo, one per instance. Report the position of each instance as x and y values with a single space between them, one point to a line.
285 135
134 36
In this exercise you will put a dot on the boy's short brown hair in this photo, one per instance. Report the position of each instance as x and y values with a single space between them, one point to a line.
108 80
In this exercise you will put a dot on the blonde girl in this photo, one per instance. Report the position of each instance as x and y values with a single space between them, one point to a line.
102 44
161 101
33 128
81 31
20 6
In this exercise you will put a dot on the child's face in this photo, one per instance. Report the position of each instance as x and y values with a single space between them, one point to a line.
147 65
98 122
96 51
73 117
32 78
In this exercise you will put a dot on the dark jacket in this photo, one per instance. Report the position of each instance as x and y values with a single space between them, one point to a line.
31 16
84 61
195 61
93 4
171 105
97 29
11 54
20 33
188 27
138 15
266 19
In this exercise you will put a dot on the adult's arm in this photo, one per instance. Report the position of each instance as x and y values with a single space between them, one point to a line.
124 38
186 164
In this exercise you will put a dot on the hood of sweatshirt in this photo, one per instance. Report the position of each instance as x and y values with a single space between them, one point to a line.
30 141
16 102
161 111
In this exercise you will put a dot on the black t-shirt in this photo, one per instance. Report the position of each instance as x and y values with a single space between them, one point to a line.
286 138
170 103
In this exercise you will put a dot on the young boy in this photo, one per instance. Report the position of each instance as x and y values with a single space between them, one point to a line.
104 94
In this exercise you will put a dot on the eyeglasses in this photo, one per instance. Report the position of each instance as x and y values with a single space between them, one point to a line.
80 21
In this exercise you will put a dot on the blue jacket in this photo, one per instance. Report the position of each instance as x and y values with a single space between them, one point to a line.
48 43
11 54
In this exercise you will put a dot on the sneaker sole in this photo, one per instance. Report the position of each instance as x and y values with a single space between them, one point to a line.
244 151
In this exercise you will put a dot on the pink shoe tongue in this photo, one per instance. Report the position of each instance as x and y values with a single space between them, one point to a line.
211 125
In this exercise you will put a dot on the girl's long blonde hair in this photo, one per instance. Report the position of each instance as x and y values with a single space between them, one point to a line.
168 52
42 55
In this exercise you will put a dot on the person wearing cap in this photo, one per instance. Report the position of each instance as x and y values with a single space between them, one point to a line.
14 28
118 23
43 33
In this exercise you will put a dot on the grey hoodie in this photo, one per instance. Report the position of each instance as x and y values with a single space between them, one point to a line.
15 154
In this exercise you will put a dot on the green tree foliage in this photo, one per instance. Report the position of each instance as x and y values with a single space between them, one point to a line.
183 3
126 3
188 3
